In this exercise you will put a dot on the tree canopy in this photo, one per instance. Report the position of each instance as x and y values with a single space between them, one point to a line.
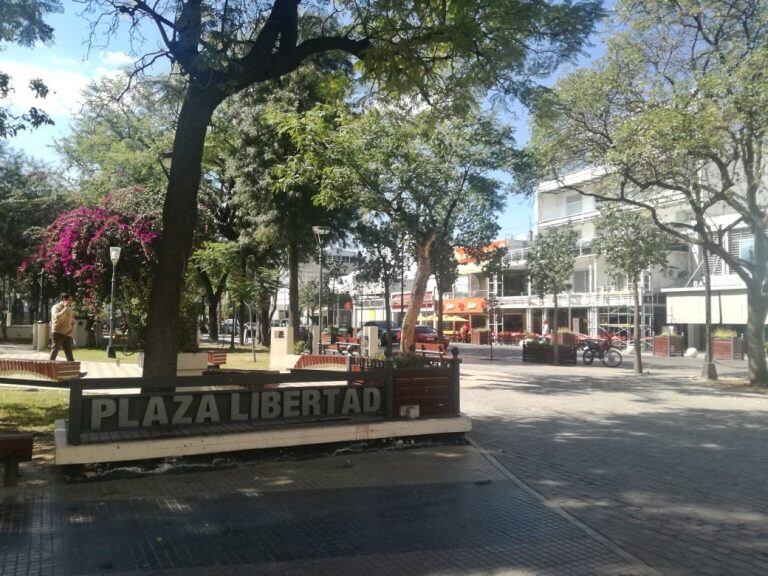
31 196
550 267
24 23
632 244
439 50
431 178
676 112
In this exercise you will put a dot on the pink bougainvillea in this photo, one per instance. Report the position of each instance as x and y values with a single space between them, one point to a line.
74 251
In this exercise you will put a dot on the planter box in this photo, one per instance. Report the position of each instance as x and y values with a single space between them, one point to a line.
728 348
567 339
187 363
431 389
535 352
668 345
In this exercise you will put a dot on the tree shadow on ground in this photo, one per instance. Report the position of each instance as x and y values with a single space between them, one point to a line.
684 489
647 386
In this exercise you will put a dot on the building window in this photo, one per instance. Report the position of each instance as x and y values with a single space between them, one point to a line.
741 244
580 278
573 205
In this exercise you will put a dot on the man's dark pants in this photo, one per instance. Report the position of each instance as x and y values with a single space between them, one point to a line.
60 341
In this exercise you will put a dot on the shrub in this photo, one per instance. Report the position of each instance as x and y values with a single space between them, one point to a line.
299 347
536 344
725 333
411 360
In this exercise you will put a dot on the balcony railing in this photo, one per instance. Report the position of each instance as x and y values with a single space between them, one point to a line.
587 299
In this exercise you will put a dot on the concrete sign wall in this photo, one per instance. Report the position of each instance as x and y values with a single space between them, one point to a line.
143 411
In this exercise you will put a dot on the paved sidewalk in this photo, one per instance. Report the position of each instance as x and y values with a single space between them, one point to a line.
669 469
436 510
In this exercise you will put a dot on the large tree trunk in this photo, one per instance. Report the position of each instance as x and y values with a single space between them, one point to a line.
423 270
265 321
638 356
757 307
213 297
555 343
293 290
388 315
440 326
179 219
709 370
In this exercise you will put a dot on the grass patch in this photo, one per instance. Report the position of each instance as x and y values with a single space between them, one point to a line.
100 355
243 360
32 410
239 359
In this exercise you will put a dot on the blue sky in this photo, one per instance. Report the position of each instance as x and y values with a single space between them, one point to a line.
68 66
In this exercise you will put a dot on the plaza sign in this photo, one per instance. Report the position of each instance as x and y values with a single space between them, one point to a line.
142 411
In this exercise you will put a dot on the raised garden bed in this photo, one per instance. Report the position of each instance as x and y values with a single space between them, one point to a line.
728 348
668 345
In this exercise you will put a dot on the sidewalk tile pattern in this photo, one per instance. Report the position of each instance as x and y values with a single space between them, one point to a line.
428 510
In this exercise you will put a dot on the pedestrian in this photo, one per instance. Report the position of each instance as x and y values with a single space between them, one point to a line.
62 326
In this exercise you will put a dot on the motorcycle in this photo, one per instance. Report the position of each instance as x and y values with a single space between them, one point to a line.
593 349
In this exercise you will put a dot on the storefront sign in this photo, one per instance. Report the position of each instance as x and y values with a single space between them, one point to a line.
125 412
427 303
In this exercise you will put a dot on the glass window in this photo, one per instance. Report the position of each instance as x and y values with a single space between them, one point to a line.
741 243
573 205
580 278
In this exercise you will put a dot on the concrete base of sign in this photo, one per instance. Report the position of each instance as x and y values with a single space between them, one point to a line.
233 442
187 363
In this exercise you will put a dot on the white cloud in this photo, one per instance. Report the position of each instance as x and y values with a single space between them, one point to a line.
116 59
65 87
66 79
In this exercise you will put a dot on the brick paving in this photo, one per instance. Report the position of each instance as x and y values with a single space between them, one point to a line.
669 469
427 510
657 469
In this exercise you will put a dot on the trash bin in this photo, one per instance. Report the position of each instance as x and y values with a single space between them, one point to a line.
80 334
41 339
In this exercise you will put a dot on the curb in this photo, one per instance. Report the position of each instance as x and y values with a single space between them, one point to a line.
635 562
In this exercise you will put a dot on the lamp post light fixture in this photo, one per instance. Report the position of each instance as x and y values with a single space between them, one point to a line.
320 232
166 159
114 256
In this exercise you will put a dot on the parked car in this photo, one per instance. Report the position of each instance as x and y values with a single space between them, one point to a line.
382 326
427 335
225 328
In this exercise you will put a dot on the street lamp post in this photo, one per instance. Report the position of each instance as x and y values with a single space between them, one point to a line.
41 302
114 256
320 232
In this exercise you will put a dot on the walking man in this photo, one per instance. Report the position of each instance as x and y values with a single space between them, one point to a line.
62 326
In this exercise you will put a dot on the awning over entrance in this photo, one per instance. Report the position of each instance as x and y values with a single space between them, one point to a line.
728 307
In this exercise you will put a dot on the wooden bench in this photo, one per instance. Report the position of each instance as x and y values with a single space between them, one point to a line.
430 349
341 346
216 358
48 369
14 448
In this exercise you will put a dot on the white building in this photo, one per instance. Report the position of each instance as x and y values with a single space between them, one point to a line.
597 302
344 262
686 303
673 295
